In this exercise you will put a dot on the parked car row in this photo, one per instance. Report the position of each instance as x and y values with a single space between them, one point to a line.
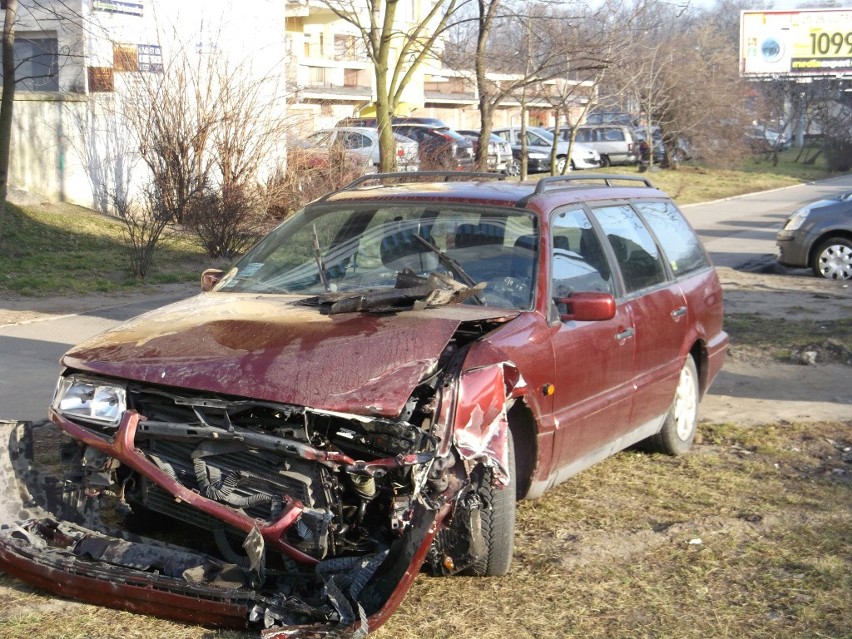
429 144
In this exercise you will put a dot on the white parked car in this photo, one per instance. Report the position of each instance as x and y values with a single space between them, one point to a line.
541 140
364 141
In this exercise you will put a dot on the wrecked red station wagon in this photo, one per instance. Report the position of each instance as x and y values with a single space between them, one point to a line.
364 395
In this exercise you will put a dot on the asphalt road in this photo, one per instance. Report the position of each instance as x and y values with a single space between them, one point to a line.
738 232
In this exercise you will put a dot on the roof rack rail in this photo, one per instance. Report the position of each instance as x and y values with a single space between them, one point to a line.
543 183
369 177
425 174
492 175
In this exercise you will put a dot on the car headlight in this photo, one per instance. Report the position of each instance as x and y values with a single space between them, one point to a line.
90 400
797 219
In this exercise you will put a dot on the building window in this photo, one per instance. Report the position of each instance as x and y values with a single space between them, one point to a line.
37 59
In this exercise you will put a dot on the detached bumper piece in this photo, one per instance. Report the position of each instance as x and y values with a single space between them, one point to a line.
346 597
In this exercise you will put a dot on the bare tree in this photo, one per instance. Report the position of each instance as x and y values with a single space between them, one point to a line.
380 31
516 50
7 103
668 49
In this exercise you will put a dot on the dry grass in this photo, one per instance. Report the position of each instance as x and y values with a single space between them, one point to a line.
607 555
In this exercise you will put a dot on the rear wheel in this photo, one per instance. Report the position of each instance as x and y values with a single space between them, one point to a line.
513 168
497 515
833 259
678 432
560 164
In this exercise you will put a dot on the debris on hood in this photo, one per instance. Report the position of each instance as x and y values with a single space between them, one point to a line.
411 292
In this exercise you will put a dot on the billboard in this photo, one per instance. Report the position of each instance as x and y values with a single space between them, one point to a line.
796 43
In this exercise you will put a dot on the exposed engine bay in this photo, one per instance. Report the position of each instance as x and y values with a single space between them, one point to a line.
260 514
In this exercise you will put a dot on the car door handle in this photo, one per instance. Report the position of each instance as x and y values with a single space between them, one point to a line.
679 312
625 334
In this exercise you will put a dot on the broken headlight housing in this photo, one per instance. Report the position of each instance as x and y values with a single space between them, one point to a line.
90 400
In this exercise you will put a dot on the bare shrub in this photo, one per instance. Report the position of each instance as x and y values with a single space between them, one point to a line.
309 175
227 220
144 222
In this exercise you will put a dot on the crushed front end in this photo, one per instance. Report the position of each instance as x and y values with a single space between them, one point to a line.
232 512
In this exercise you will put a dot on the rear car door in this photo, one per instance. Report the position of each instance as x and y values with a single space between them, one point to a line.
593 361
657 306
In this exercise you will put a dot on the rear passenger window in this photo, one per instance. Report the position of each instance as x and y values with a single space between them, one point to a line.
682 248
635 251
613 135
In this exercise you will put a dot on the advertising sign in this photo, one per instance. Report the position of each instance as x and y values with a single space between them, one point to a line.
796 43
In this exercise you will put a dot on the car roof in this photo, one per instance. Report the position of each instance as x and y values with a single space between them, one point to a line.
543 195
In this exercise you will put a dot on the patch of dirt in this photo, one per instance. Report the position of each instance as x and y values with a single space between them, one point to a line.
753 388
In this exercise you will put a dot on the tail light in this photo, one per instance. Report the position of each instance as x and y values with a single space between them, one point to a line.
400 151
630 147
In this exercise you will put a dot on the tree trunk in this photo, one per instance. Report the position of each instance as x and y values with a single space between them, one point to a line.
486 19
7 103
384 107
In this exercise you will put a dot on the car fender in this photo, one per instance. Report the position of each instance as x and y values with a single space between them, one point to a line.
480 425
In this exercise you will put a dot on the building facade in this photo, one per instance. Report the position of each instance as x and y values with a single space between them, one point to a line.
82 62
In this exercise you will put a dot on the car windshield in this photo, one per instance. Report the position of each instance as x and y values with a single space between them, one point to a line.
326 248
547 135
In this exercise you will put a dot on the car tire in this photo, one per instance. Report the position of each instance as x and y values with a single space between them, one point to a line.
678 431
497 515
560 165
513 168
833 259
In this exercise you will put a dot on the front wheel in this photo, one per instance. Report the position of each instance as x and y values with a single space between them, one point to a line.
497 515
678 432
560 165
513 168
833 259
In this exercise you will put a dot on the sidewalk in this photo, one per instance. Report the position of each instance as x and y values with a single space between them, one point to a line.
22 310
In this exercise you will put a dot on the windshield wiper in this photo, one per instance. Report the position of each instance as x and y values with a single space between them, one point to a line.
450 264
318 257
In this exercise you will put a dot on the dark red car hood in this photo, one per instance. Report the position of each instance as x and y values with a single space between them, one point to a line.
269 347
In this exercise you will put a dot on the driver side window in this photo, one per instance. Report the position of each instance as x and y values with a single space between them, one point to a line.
579 263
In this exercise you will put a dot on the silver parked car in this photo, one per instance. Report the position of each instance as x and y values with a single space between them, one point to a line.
541 140
364 142
615 143
819 236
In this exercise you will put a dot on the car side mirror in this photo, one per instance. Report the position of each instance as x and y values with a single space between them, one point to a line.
587 307
210 278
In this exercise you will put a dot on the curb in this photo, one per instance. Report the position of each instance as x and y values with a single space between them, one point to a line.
780 188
